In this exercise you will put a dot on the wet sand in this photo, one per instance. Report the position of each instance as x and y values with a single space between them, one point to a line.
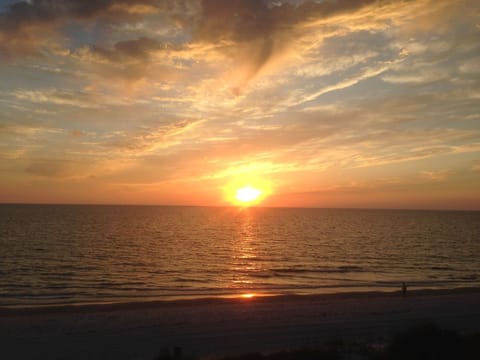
210 328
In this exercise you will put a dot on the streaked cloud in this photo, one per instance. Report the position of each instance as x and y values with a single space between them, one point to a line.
78 99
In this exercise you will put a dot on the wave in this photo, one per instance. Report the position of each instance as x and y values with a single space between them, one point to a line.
95 254
338 269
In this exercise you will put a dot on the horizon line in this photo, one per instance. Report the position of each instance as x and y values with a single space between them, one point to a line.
240 207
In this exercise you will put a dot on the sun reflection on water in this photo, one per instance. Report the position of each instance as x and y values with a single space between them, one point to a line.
245 253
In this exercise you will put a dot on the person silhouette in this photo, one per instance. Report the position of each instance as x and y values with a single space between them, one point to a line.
404 289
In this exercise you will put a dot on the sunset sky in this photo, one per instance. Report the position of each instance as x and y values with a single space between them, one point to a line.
327 103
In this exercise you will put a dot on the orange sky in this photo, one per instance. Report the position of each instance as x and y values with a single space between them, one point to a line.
334 103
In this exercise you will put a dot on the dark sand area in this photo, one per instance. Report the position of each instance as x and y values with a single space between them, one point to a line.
211 328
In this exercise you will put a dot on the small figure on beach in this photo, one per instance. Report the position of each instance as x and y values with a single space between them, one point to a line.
404 289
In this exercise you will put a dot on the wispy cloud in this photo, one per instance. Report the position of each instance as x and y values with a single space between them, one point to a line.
78 99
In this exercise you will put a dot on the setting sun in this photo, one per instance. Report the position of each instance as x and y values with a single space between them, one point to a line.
247 296
247 190
247 194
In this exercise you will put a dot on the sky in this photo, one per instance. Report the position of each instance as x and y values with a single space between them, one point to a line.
327 103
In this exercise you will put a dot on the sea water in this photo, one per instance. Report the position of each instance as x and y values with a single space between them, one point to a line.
78 254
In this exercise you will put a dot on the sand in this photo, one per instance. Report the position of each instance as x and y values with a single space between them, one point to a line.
211 328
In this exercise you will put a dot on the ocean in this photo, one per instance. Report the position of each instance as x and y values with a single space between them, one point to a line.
89 254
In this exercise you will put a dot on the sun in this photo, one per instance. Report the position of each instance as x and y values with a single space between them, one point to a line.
247 194
247 191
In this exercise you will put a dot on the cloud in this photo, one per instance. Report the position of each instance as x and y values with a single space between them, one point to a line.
436 175
470 66
366 73
250 20
253 33
25 129
27 40
7 128
421 77
70 168
27 27
129 60
51 168
148 138
138 49
77 134
330 90
24 13
58 97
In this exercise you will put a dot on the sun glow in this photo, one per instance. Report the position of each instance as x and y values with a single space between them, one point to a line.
247 296
247 191
247 194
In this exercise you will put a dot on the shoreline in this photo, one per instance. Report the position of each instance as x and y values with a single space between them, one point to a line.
215 327
193 301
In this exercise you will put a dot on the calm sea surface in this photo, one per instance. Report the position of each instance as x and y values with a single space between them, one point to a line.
54 254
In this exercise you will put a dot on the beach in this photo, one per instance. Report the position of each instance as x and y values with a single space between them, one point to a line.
211 328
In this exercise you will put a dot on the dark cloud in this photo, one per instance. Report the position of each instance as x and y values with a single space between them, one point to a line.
240 20
247 20
51 168
259 29
37 11
22 13
137 49
24 26
128 60
251 32
77 133
212 21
